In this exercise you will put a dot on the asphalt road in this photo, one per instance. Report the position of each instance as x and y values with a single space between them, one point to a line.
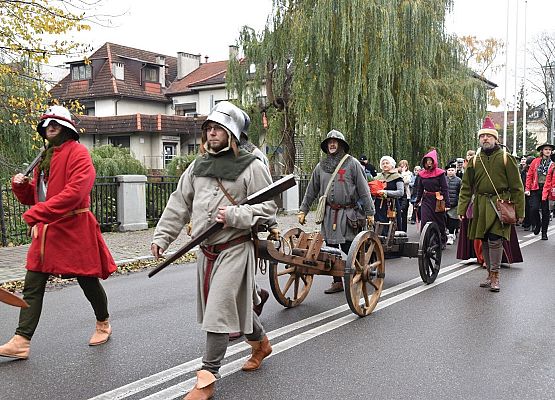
451 339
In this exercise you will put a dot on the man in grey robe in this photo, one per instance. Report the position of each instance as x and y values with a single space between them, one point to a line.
207 191
348 198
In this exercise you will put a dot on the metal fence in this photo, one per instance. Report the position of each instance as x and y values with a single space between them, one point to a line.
13 230
104 202
303 180
158 190
303 184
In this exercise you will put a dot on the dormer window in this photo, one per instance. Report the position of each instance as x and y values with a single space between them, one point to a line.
80 72
117 70
151 74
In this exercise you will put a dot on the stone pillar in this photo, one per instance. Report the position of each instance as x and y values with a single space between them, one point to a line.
291 199
131 202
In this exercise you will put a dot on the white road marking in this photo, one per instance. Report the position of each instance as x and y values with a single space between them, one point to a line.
190 366
182 388
549 228
182 369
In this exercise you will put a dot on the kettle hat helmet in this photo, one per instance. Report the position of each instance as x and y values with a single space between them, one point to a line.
59 114
334 134
229 116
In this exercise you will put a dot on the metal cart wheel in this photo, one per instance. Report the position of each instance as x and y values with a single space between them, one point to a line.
364 273
289 286
429 252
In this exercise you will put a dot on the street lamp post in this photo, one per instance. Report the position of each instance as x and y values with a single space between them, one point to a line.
552 67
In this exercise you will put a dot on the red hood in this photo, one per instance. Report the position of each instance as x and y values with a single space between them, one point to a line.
435 171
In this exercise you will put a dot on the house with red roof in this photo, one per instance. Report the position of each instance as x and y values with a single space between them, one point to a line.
151 103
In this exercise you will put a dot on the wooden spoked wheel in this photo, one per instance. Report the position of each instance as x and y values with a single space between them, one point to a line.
289 286
364 273
429 252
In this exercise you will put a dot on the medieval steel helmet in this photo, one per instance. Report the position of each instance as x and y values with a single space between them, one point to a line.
246 125
333 134
229 116
59 114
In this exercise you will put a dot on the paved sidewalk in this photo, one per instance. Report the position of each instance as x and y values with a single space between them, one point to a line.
125 247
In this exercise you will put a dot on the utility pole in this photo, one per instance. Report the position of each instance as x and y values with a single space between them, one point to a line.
515 114
506 77
524 106
552 67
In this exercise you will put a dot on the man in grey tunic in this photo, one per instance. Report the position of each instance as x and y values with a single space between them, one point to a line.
348 193
220 177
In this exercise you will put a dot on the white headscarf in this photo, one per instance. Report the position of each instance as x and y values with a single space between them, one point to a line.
390 159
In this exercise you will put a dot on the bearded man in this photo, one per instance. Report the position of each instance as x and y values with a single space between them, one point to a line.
490 173
208 190
348 191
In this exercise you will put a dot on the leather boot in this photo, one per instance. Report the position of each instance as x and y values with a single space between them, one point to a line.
494 286
487 282
334 288
101 334
495 254
204 388
17 347
263 299
260 350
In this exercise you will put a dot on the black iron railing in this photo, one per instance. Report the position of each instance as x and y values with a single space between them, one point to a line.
13 230
158 190
303 180
104 202
303 184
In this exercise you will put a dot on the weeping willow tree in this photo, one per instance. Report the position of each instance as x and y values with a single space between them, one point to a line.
31 33
383 72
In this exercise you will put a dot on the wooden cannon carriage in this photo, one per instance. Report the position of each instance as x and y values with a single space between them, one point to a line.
298 256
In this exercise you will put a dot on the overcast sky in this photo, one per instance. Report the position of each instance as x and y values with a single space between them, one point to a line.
208 27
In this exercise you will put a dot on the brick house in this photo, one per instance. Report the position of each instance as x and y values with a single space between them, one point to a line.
151 103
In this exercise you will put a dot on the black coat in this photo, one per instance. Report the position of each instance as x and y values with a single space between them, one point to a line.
454 187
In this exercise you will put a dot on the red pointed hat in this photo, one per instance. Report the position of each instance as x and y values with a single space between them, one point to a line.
488 128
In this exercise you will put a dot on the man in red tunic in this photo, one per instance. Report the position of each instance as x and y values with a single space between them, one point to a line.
66 238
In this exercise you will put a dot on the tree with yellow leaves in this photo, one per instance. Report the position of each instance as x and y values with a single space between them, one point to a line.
481 55
31 32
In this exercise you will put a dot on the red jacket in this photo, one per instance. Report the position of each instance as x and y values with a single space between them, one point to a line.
548 192
66 238
532 175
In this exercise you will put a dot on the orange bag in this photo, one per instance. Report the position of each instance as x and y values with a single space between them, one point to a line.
375 187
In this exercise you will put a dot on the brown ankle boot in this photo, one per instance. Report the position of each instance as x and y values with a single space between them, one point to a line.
101 334
263 299
260 350
334 288
204 388
494 287
18 347
487 282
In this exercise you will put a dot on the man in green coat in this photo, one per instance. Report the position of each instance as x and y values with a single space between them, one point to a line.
491 174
